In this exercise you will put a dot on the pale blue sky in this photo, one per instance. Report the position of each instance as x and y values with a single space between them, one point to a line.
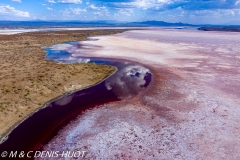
187 11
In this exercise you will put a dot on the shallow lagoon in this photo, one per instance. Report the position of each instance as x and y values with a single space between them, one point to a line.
44 124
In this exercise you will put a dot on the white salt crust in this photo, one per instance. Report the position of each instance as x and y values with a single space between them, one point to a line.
190 111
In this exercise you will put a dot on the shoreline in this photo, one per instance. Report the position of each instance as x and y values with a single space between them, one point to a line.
193 98
5 136
28 77
121 65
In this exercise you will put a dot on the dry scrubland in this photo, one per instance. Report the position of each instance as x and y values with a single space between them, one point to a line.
28 80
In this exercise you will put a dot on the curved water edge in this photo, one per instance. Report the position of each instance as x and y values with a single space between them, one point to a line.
41 126
5 137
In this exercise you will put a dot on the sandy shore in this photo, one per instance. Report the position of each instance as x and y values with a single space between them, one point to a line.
190 110
28 80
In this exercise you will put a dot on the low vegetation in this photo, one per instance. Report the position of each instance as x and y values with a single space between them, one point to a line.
28 80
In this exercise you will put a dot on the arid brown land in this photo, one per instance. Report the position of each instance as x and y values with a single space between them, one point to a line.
28 80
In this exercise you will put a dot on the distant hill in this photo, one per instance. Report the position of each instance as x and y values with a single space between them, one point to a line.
62 24
78 24
221 28
52 24
159 23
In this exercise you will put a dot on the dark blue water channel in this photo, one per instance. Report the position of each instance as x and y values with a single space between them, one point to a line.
40 127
